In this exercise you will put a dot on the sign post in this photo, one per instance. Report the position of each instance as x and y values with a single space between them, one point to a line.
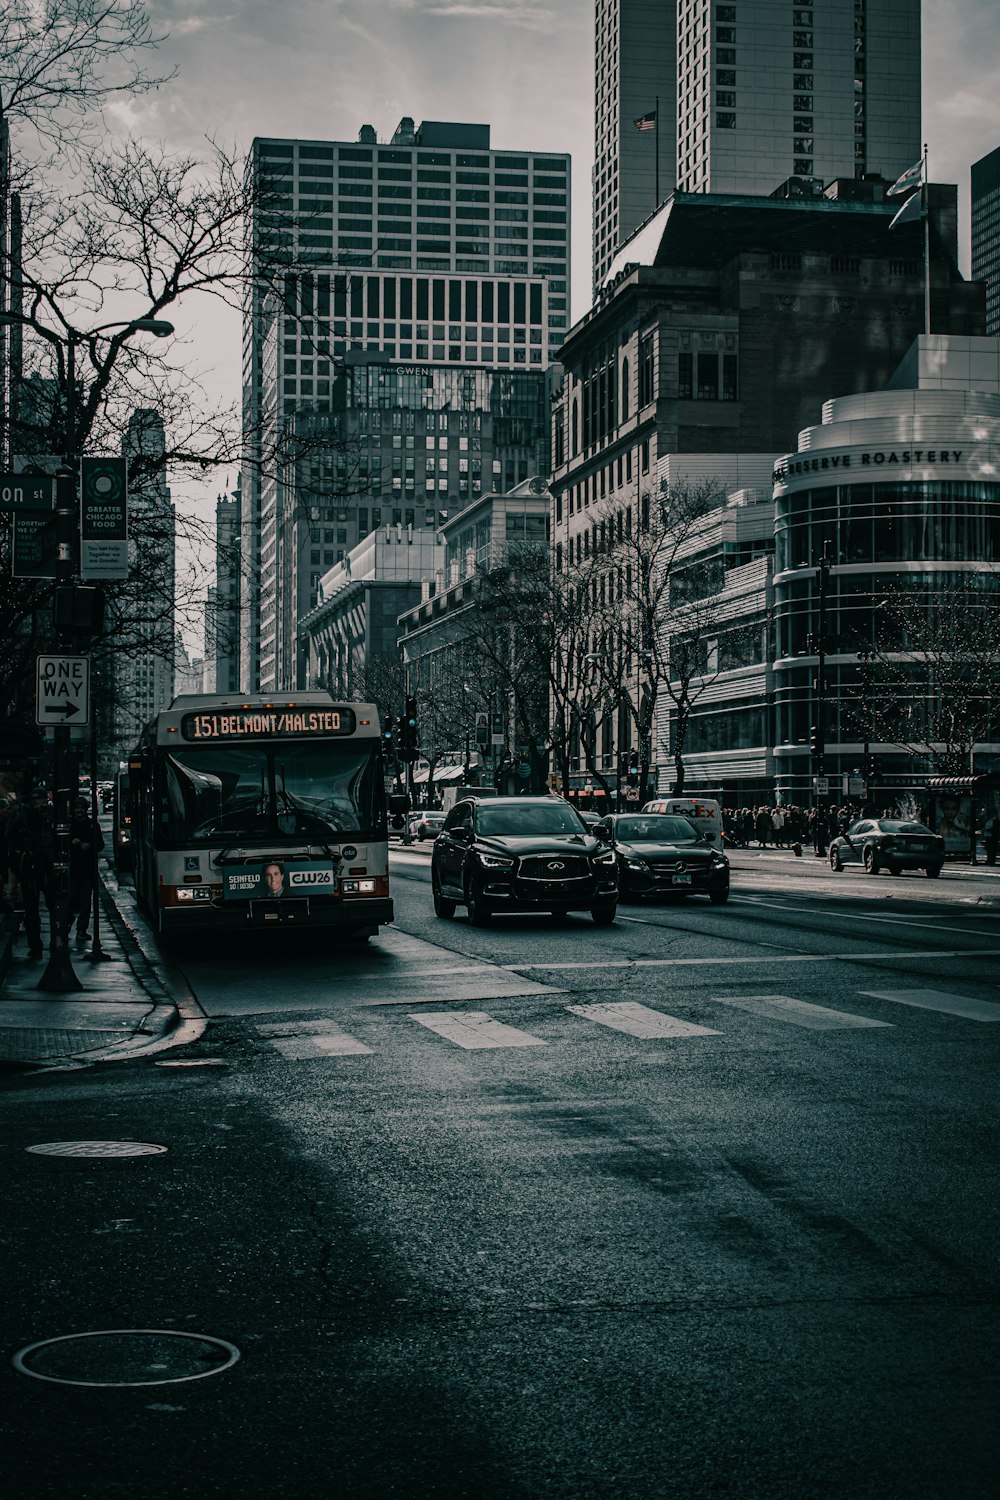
62 691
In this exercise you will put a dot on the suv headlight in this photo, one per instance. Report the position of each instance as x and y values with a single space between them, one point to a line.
604 857
495 861
634 862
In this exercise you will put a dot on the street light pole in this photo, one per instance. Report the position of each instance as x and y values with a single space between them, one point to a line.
59 976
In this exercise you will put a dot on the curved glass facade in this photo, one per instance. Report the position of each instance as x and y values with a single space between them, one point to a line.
910 532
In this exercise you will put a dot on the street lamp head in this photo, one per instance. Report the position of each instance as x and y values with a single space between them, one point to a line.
159 327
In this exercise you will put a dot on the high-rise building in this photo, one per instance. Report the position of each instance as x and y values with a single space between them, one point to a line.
145 631
986 233
222 609
750 95
432 250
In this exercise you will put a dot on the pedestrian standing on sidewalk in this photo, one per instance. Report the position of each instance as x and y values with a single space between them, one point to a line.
85 837
30 854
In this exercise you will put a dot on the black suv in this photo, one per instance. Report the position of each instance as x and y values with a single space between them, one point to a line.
521 854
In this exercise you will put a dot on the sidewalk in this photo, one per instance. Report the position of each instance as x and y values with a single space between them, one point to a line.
125 1009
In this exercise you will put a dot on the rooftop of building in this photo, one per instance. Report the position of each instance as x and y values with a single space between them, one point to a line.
707 229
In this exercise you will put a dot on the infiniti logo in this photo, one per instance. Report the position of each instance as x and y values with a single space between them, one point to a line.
555 864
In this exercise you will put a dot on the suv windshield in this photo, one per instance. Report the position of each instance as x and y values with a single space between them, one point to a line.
527 820
656 830
317 791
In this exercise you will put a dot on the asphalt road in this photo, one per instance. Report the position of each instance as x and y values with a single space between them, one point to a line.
703 1204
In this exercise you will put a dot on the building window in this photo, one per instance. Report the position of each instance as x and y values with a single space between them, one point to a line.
646 368
685 376
708 377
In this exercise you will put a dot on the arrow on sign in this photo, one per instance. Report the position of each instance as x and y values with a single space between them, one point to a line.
68 710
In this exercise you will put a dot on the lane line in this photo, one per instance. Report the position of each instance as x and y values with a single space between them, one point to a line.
475 1029
805 911
639 1020
317 1040
787 958
799 1012
940 1000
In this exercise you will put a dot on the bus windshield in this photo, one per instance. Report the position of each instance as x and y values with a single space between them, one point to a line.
315 791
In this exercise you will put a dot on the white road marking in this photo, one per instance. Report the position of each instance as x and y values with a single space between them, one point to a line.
639 1020
475 1029
941 1000
777 958
299 1041
854 916
798 1012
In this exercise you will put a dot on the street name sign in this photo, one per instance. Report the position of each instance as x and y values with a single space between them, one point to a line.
62 691
103 518
27 492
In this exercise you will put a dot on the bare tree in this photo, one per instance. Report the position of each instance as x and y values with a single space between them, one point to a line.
927 677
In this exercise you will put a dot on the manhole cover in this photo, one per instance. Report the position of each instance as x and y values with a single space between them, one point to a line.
193 1062
96 1148
126 1356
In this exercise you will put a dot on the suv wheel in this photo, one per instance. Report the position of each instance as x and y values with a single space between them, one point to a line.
934 871
479 913
603 915
442 906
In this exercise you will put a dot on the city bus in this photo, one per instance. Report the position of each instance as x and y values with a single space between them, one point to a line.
252 812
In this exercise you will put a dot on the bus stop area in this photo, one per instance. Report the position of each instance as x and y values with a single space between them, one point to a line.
126 1006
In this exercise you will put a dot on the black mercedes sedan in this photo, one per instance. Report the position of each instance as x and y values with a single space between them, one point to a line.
515 854
661 855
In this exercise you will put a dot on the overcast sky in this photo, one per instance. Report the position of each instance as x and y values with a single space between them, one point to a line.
321 68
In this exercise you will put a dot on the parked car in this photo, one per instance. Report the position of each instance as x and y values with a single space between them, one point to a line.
888 844
426 825
665 856
521 854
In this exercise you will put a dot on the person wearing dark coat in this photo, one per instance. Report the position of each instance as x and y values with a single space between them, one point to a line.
85 837
30 856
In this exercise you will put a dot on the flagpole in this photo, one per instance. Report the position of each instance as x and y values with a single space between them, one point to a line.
925 204
656 144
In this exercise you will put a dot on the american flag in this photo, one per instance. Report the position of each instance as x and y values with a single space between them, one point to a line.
646 122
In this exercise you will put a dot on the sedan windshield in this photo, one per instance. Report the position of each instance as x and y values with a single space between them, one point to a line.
527 820
655 830
317 791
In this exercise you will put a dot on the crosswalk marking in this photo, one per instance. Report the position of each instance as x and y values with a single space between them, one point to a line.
473 1028
940 1000
798 1012
306 1039
639 1020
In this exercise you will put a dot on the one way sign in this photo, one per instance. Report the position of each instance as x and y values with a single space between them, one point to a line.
62 690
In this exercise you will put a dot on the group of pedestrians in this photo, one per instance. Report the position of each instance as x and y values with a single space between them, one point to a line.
27 863
768 827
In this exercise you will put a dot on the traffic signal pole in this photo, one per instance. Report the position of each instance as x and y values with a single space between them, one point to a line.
818 745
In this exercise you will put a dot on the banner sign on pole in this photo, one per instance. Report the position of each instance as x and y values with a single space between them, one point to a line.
103 518
27 492
34 551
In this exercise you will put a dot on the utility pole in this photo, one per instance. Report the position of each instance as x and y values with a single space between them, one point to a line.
817 736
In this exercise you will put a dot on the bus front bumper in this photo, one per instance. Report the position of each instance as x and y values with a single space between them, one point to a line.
297 911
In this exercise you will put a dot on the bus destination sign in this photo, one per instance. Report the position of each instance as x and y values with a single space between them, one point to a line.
266 723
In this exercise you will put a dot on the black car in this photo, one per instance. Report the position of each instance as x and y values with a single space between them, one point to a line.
662 855
888 844
521 854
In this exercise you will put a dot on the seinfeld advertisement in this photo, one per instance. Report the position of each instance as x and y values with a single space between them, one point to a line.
273 879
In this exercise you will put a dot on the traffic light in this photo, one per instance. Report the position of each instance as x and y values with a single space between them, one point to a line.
633 768
408 731
388 734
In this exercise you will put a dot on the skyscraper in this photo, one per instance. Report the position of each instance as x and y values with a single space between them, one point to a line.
986 233
431 250
763 94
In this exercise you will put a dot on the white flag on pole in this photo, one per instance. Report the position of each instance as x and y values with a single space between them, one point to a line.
911 209
913 177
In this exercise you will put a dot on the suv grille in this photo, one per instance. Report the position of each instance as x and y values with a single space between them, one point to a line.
554 867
